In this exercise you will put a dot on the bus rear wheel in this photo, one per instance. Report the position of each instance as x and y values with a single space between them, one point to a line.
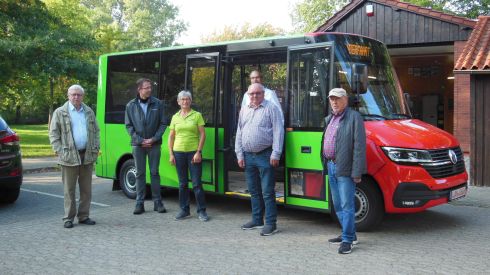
127 178
369 205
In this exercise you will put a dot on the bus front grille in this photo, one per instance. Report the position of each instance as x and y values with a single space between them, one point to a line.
442 165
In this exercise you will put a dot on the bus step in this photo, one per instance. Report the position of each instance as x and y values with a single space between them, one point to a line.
279 199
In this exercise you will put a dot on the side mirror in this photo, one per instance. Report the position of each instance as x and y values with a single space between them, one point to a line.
359 78
408 102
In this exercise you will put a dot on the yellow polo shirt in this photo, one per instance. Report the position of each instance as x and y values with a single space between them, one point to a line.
186 131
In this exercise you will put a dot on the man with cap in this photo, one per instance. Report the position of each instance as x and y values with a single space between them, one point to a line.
344 159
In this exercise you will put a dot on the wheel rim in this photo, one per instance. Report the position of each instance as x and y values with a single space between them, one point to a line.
130 179
362 205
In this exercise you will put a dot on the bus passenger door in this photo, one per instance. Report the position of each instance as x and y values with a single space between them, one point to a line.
202 80
309 80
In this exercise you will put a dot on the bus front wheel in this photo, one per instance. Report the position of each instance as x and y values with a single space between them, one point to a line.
127 178
369 205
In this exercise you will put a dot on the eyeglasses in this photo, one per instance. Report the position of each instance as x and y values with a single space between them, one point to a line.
75 95
255 94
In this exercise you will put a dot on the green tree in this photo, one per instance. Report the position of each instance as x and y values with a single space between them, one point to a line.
121 25
439 5
471 8
36 47
309 14
465 8
245 31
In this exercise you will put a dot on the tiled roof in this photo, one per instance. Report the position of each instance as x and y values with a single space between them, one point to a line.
476 52
399 5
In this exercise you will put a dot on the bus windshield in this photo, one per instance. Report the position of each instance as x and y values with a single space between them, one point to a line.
383 98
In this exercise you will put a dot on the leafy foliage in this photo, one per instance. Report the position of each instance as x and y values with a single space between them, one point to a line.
465 8
121 25
310 14
48 45
246 31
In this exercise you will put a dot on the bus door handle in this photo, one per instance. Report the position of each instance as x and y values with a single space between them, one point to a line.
224 150
306 149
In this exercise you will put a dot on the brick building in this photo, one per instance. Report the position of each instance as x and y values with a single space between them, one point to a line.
472 72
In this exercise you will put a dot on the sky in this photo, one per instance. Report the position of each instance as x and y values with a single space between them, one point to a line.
207 16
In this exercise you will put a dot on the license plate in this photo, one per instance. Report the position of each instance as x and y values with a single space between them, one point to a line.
457 193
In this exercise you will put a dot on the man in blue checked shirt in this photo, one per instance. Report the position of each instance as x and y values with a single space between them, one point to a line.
258 146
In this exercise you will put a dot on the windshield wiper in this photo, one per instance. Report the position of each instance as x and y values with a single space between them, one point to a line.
401 115
373 117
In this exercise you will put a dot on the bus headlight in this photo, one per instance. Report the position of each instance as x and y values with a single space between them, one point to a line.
403 155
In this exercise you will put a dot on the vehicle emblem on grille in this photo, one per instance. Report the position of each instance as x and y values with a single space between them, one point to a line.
452 156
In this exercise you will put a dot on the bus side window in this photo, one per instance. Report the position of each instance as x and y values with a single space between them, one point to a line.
123 72
173 76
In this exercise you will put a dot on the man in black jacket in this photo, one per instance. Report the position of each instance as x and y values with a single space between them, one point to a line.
145 123
344 159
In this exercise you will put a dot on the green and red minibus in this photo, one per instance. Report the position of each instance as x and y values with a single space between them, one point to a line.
412 165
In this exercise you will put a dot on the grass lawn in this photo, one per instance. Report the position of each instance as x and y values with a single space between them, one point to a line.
34 141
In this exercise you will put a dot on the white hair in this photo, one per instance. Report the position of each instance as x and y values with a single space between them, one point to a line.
76 87
262 88
184 94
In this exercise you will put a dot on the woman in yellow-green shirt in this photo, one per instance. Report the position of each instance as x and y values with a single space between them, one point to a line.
185 146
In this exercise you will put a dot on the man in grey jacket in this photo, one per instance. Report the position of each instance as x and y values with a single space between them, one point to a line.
344 159
74 136
145 123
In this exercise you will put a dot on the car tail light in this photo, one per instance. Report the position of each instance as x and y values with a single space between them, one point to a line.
15 172
10 140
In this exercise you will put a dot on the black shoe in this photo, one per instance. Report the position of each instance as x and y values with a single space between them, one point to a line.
251 225
158 206
345 248
87 221
268 230
68 224
182 215
139 209
203 216
338 240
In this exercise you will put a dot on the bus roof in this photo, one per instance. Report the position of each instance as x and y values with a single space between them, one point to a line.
249 44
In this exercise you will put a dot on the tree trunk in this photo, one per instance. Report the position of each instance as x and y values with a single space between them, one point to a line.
51 99
17 114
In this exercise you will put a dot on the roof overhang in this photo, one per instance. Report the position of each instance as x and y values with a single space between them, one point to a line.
426 50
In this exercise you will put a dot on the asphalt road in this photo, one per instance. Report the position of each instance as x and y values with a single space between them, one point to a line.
448 239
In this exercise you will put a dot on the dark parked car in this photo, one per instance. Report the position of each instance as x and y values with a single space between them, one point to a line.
10 164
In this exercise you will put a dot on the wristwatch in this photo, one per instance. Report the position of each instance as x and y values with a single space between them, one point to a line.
199 151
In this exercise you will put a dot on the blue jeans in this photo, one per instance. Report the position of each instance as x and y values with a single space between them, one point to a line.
184 164
261 182
140 154
343 190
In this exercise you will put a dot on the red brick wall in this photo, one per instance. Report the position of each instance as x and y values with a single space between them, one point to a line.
462 119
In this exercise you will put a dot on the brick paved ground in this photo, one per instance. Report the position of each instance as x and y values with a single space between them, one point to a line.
449 239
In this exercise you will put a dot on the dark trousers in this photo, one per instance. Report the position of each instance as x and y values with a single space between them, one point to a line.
183 162
140 154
